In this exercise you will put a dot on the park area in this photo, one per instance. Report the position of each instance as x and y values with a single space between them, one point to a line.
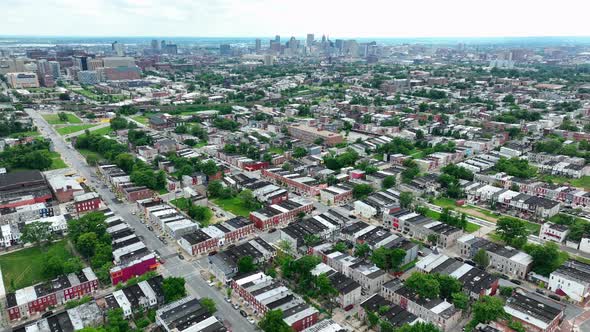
24 267
54 119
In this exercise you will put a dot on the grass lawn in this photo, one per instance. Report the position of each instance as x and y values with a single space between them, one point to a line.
276 150
233 205
181 203
445 202
433 214
87 153
56 161
103 131
23 268
25 134
162 191
533 228
141 119
471 227
201 144
54 119
583 182
73 129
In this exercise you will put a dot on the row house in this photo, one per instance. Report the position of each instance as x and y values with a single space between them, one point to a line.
395 315
224 265
215 237
85 315
264 293
336 195
10 233
301 184
145 295
131 257
87 202
14 215
281 213
38 298
476 282
572 279
187 315
367 274
377 204
267 192
170 220
379 237
239 161
439 312
349 291
502 258
326 226
535 312
420 227
562 168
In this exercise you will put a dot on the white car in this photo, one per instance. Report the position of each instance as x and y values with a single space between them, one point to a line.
210 283
251 320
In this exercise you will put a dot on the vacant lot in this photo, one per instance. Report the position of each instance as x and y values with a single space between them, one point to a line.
54 119
56 161
233 205
73 129
25 267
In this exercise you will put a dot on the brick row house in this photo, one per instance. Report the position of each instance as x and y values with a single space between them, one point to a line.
38 298
281 213
299 183
217 236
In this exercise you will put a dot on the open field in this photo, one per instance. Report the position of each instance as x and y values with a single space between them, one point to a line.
54 119
24 267
233 205
103 131
25 134
56 161
87 153
583 182
141 119
73 129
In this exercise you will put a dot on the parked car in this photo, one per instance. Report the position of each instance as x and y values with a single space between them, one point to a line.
516 281
212 253
554 297
540 291
272 230
210 283
236 306
251 320
180 256
150 228
243 313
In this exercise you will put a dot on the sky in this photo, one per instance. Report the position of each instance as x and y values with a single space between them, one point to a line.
257 18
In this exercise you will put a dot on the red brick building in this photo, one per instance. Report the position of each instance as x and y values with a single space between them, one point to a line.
216 236
281 213
301 184
87 202
38 298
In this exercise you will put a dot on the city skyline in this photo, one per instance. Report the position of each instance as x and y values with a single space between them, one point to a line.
231 18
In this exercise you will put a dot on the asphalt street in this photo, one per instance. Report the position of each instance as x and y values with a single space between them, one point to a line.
173 265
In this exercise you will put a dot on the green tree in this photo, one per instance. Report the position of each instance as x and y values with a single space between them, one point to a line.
487 309
406 199
209 304
36 232
481 258
460 300
126 161
419 327
119 123
299 152
546 257
173 289
424 284
506 291
361 250
273 322
246 264
361 191
86 244
340 246
248 199
512 231
388 182
448 285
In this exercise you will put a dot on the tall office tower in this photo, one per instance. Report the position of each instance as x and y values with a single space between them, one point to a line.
162 44
293 43
268 60
171 49
155 44
55 69
339 43
258 45
310 39
81 61
43 67
118 48
278 38
225 49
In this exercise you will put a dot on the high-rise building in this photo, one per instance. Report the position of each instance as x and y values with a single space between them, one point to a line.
155 44
94 64
15 65
170 49
162 44
118 62
258 46
225 49
88 77
310 39
55 69
268 60
118 48
22 80
278 38
81 61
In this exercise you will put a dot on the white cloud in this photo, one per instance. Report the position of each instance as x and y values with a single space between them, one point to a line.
368 18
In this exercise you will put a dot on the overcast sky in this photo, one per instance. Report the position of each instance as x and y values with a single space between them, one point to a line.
336 18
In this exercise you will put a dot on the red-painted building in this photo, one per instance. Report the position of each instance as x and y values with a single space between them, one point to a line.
216 236
38 298
23 188
281 213
301 184
87 202
257 289
132 265
134 193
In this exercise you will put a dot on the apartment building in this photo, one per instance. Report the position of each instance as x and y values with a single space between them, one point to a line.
187 315
536 313
420 227
349 291
309 135
216 236
224 265
281 213
326 226
572 279
336 195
